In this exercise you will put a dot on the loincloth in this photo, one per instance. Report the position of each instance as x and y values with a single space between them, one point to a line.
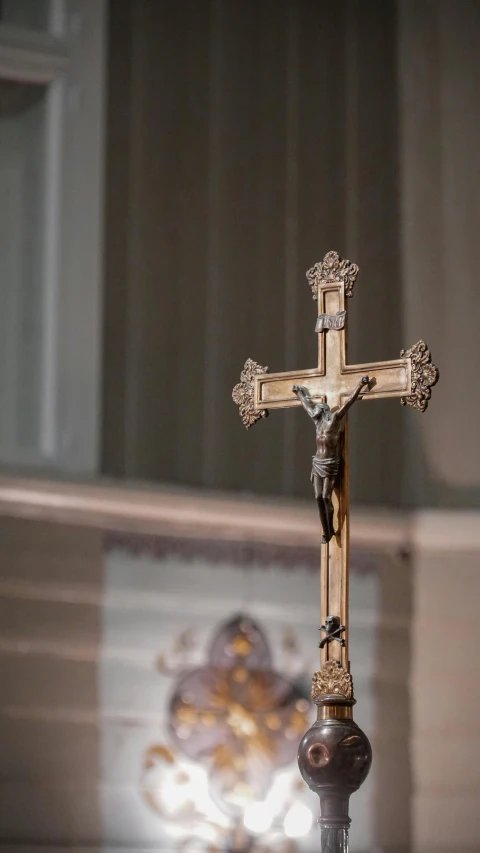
325 467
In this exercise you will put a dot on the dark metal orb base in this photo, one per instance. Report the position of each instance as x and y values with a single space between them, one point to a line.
334 758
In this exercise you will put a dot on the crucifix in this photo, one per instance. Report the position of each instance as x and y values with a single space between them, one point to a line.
334 755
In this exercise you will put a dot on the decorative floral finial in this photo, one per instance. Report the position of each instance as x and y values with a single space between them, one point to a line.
243 393
333 269
424 376
331 680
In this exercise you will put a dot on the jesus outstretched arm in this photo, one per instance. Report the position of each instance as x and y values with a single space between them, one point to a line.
347 405
303 394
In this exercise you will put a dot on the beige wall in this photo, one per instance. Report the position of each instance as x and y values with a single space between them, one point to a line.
84 619
51 580
77 630
81 627
444 683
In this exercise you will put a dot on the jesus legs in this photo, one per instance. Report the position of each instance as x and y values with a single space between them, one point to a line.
319 488
327 500
323 519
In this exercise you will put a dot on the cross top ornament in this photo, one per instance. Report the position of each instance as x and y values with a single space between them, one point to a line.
335 755
330 271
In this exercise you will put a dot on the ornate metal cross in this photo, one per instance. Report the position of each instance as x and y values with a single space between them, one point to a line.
338 384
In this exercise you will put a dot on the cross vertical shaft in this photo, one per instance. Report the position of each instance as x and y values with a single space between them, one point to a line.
332 356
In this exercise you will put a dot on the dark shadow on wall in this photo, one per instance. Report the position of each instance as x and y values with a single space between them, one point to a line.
51 585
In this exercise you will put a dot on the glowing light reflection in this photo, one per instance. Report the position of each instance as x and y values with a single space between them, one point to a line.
258 818
298 821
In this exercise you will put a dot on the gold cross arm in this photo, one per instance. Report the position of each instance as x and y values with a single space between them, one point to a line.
410 377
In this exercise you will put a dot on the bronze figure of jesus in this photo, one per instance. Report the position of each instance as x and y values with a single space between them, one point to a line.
329 427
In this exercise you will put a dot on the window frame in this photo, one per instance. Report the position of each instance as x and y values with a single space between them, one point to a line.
70 60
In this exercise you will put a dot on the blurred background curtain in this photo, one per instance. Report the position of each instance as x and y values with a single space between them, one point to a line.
245 140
